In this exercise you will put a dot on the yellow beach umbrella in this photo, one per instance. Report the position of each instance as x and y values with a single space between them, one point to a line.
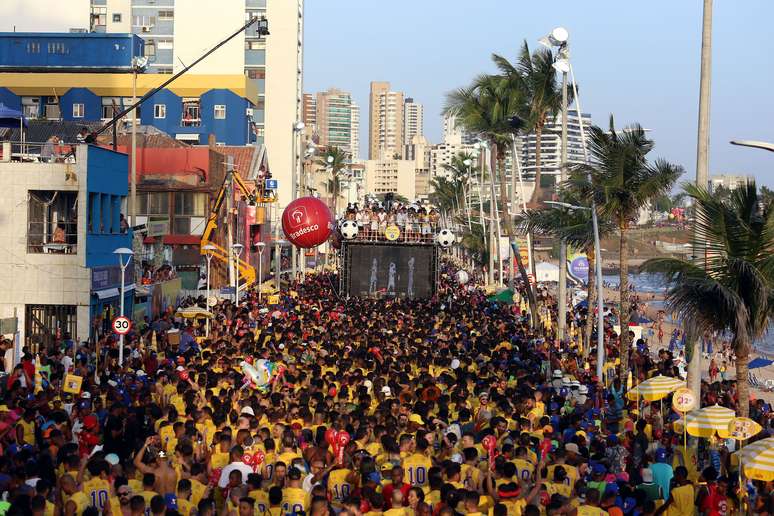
708 421
194 312
758 460
655 388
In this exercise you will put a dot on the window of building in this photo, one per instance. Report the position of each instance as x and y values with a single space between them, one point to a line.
164 44
116 17
164 70
52 108
52 221
253 73
159 111
58 48
150 48
254 45
33 47
166 15
191 113
44 324
31 107
190 210
143 21
79 110
111 106
153 203
98 16
220 111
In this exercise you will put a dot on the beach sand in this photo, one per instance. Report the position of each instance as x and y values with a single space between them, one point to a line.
651 312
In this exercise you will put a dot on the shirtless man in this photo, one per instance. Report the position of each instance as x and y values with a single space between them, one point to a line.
166 476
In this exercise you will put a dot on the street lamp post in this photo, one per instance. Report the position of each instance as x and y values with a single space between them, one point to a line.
297 128
210 249
260 246
238 248
559 38
121 252
598 274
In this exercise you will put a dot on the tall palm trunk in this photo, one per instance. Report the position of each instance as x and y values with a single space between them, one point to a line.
537 194
742 352
590 302
509 230
623 259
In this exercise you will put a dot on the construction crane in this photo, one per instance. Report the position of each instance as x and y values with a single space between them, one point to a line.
246 272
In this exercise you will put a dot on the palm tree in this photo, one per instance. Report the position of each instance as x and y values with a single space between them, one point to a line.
333 161
535 76
730 287
623 182
487 108
577 229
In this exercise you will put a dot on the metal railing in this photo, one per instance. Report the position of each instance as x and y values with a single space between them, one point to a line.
37 152
407 232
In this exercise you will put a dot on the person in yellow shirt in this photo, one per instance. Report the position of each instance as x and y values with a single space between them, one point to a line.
559 484
525 469
25 428
681 500
339 485
97 488
147 493
294 498
471 475
184 504
418 464
74 502
591 506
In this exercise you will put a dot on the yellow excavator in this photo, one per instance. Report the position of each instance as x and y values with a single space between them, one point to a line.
247 272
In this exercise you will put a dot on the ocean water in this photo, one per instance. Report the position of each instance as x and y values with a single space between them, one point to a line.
654 283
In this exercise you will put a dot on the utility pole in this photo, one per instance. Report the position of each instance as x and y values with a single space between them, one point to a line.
702 170
230 220
561 317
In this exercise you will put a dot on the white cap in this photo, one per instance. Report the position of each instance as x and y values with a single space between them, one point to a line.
86 395
557 373
281 346
368 385
140 373
112 459
248 411
180 368
583 390
455 363
386 391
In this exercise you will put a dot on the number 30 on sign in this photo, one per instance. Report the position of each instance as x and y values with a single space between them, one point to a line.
122 325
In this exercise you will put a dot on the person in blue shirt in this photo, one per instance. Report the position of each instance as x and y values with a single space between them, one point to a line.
662 472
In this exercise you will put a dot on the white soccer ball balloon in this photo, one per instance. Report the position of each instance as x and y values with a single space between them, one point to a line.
462 277
445 238
349 229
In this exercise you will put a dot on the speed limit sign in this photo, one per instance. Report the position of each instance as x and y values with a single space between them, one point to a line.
122 325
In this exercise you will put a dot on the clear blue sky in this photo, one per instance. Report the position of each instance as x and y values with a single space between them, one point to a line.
636 60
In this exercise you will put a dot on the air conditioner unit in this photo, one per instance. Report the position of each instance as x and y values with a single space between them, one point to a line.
249 112
146 28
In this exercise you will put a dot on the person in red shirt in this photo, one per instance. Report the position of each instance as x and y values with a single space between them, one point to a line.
397 484
89 436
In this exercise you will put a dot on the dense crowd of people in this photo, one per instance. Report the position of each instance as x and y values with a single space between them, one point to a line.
321 405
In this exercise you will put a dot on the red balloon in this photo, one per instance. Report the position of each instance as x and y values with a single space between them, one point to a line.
307 222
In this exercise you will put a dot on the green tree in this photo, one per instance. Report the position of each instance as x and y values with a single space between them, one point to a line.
333 162
622 182
729 287
487 108
534 77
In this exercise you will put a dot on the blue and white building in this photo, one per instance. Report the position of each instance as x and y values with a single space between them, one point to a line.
62 81
61 222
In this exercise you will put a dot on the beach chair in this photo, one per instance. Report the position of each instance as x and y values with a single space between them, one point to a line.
752 379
